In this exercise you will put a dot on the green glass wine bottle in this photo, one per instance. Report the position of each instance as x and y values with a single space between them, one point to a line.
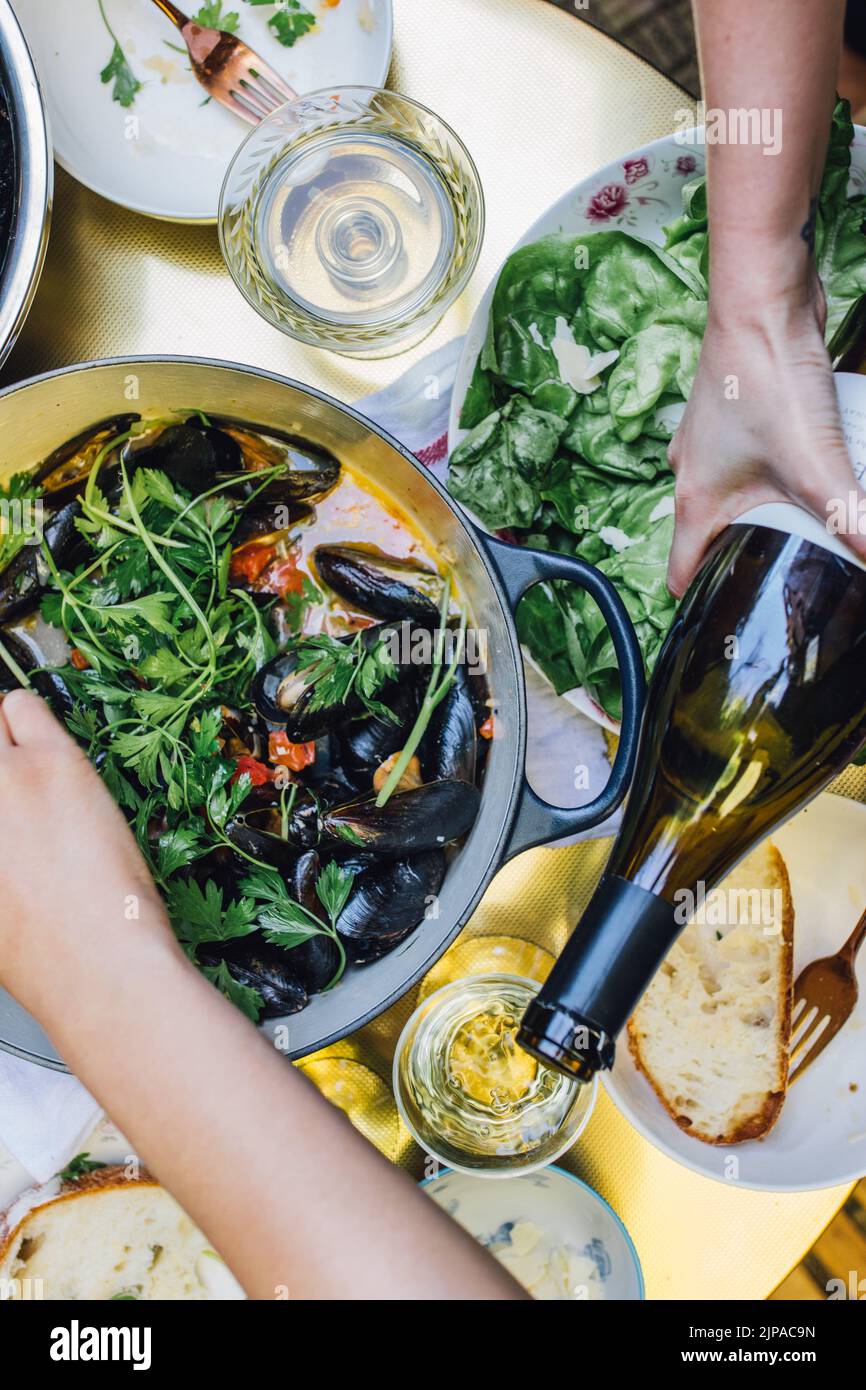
757 701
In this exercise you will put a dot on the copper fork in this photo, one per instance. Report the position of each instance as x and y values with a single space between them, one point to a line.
234 75
825 995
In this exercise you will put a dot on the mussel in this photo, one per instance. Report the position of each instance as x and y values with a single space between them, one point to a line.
260 832
49 684
380 584
316 960
193 455
364 744
243 734
309 470
64 473
25 578
387 902
252 961
284 697
424 818
449 747
267 520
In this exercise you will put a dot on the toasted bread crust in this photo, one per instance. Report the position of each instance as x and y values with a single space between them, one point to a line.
759 1124
100 1179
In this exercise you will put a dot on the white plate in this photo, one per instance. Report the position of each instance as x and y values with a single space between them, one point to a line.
167 154
560 1205
639 193
820 1137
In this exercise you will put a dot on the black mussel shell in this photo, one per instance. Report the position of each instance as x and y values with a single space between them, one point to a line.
380 584
25 578
310 469
269 520
424 818
243 733
253 962
49 684
449 748
305 876
275 694
192 455
364 744
258 832
64 473
286 700
387 903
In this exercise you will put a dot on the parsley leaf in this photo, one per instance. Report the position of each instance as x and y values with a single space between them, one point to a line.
198 915
78 1166
290 22
210 16
248 1000
126 84
333 887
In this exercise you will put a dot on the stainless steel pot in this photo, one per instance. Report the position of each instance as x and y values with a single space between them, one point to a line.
34 181
38 415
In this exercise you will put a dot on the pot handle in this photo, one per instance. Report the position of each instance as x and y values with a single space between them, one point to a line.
536 820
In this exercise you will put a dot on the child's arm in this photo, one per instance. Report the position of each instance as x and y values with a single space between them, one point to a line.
289 1193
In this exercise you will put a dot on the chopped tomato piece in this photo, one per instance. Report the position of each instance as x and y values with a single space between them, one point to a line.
294 756
283 578
486 730
248 561
78 659
258 773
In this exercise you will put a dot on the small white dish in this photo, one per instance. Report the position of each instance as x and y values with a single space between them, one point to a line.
167 154
571 1216
819 1139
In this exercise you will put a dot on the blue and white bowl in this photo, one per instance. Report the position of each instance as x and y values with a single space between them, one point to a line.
583 1251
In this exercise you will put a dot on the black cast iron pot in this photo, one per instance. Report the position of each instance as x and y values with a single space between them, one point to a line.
38 415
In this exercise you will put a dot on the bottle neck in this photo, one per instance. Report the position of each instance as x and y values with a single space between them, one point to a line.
622 939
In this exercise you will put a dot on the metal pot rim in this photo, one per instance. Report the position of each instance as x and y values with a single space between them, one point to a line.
35 181
482 875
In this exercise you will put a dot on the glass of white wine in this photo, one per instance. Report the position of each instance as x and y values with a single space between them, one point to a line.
352 219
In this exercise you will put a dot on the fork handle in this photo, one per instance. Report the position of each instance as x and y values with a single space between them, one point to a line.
172 12
855 940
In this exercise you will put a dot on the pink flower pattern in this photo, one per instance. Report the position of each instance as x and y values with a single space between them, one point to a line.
608 202
635 169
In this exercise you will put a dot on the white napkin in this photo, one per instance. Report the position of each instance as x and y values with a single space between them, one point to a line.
46 1116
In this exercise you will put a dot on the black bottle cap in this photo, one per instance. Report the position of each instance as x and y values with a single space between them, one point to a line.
610 958
564 1040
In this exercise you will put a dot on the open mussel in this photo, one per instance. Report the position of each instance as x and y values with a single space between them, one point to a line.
252 961
309 470
387 902
262 834
380 584
449 747
193 455
283 693
26 577
63 475
243 734
424 818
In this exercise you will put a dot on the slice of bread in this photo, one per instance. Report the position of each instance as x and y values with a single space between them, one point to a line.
107 1236
713 1030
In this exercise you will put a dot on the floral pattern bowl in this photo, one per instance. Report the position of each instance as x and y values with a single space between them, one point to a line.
639 193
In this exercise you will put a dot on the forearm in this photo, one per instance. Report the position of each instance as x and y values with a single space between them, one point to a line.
291 1195
776 57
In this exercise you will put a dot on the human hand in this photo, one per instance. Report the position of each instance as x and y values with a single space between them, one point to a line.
73 885
779 439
